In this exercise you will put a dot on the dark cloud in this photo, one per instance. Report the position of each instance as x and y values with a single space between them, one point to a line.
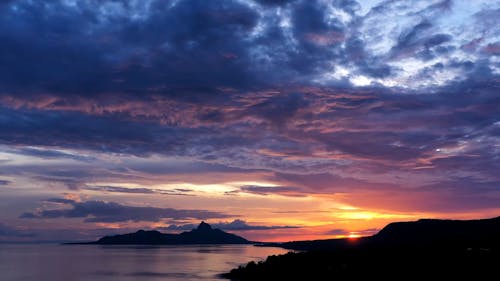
236 225
319 132
119 189
409 37
67 129
266 190
344 232
53 154
195 50
378 130
186 50
274 2
4 182
279 109
493 49
437 39
37 234
183 50
487 18
137 190
101 211
60 200
10 232
419 40
338 231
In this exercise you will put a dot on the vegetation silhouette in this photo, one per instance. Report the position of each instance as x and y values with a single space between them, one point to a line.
425 249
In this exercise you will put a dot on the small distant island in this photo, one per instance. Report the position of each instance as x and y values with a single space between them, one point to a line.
426 249
203 234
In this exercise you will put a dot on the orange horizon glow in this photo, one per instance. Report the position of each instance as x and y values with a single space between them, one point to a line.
323 216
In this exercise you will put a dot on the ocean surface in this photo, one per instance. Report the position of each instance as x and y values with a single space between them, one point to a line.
46 262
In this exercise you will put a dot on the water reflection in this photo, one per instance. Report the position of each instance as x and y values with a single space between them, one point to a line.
123 263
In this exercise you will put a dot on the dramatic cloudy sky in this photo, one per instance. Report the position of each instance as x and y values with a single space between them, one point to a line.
274 119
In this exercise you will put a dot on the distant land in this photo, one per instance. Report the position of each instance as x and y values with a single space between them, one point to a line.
203 234
421 250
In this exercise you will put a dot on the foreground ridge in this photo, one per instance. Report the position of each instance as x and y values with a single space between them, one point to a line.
421 249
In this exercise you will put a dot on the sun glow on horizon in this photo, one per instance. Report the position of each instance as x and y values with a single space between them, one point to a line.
353 235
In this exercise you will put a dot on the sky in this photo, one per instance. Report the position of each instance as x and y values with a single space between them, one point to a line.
274 119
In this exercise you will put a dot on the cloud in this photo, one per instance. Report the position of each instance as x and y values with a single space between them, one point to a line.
60 200
61 234
461 193
443 196
344 232
278 109
335 141
10 232
88 64
236 225
52 154
118 189
337 231
137 190
329 183
266 190
274 2
4 182
101 211
314 96
92 133
133 48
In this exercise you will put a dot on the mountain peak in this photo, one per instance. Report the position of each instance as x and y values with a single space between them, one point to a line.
204 226
203 234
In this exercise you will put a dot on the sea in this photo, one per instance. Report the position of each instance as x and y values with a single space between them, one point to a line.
53 262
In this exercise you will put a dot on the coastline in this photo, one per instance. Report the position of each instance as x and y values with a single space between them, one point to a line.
438 248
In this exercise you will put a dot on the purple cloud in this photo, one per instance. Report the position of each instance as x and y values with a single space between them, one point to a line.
314 96
266 190
237 225
101 211
11 232
364 232
137 190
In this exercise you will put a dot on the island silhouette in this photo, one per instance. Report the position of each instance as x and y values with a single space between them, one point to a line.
203 234
426 249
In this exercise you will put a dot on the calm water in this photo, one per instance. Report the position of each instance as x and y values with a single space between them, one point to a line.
113 263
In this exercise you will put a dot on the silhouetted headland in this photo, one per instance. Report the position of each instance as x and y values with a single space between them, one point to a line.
203 234
424 250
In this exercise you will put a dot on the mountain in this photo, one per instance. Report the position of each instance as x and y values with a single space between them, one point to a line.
203 234
419 250
474 233
424 232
